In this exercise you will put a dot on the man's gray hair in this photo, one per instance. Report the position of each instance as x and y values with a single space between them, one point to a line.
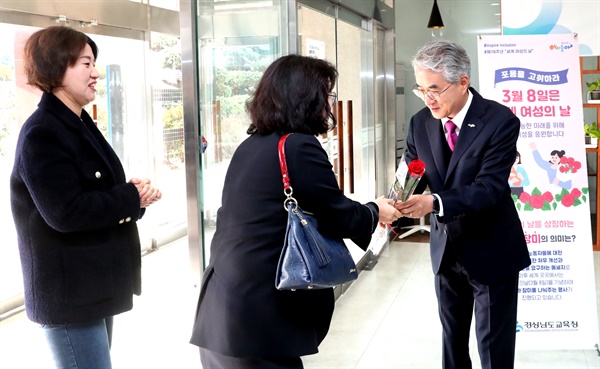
445 57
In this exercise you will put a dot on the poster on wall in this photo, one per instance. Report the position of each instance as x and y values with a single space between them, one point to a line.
538 17
315 48
538 78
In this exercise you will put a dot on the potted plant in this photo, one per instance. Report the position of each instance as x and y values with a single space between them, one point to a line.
591 134
594 89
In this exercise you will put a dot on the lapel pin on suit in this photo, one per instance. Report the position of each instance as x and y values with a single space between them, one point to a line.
471 125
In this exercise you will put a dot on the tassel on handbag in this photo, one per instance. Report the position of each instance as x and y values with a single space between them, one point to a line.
309 260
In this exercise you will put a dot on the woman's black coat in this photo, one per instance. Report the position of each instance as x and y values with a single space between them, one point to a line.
240 312
75 216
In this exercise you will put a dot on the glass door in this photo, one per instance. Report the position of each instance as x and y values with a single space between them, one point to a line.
14 105
236 43
354 91
384 108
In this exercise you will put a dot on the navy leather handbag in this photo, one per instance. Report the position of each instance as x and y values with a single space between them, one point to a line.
309 260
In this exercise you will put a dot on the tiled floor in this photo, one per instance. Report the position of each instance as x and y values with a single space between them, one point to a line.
386 320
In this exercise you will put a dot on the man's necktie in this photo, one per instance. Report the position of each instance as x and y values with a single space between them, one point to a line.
452 136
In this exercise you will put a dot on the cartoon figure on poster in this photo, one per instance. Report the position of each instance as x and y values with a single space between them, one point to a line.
558 174
518 177
559 187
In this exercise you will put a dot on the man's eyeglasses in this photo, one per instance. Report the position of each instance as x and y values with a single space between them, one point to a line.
433 95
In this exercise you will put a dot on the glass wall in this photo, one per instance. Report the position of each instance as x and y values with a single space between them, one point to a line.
10 110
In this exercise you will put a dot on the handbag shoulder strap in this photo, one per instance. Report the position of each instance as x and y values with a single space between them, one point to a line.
282 163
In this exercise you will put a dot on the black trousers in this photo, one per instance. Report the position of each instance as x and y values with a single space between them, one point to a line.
495 317
214 360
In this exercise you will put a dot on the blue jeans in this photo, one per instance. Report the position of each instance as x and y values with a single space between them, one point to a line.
80 346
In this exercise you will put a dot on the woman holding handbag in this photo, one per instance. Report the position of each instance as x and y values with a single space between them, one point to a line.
243 321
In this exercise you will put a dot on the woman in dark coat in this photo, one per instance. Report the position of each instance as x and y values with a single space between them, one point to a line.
242 320
74 212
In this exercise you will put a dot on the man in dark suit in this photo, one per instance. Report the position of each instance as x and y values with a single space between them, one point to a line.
477 242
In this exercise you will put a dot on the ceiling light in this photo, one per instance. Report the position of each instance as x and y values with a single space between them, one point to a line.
435 19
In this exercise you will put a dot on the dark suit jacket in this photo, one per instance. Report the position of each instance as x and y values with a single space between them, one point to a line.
75 218
480 222
240 312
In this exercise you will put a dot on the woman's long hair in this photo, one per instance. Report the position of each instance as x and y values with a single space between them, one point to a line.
293 96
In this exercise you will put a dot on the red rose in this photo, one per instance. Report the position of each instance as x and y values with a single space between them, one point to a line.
548 196
416 168
564 160
567 200
563 169
537 201
576 193
524 197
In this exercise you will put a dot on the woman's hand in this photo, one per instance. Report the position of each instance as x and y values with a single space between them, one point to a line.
148 193
387 212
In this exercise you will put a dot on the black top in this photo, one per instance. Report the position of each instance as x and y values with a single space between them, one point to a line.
75 217
241 313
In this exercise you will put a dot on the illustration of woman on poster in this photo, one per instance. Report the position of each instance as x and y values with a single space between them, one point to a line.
551 167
